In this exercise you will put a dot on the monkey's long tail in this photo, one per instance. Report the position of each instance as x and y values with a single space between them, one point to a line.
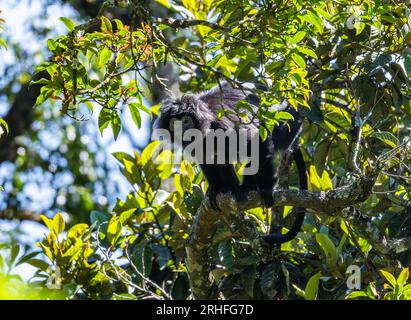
278 238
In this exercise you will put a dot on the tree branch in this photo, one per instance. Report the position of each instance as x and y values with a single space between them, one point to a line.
332 203
182 24
10 214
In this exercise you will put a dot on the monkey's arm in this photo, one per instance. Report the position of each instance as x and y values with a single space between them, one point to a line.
266 178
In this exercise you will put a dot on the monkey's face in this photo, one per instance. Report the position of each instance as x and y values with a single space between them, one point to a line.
181 114
188 112
184 121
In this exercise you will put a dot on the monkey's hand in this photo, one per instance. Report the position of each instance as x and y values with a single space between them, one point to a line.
212 196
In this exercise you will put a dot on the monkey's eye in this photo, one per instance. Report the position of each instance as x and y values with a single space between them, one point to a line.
187 122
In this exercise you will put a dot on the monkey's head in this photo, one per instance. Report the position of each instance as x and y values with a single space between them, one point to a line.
189 110
200 110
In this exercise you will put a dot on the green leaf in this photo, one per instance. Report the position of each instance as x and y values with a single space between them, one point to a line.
320 155
180 289
109 117
338 118
359 27
297 37
165 3
99 218
390 19
52 44
341 244
48 222
328 247
283 115
40 81
178 184
298 60
77 231
150 152
115 124
114 229
269 278
263 133
143 258
162 254
3 43
3 124
316 182
135 113
387 137
124 296
58 223
248 280
73 252
47 251
126 215
15 249
390 278
307 51
27 257
326 183
403 277
311 289
315 179
45 93
315 20
39 264
120 156
106 25
324 13
68 23
119 24
104 119
104 57
225 252
299 292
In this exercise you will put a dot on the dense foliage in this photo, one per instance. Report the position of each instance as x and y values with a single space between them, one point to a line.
345 65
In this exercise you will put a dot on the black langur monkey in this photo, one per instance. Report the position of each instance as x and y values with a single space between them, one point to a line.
201 111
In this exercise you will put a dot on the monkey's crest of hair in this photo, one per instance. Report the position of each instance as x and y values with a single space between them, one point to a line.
187 105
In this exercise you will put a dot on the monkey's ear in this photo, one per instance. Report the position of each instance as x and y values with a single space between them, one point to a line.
223 94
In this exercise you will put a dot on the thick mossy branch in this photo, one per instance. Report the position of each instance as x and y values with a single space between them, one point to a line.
198 258
332 203
199 243
364 227
205 223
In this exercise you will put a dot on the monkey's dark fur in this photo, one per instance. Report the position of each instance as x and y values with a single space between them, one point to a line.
203 110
